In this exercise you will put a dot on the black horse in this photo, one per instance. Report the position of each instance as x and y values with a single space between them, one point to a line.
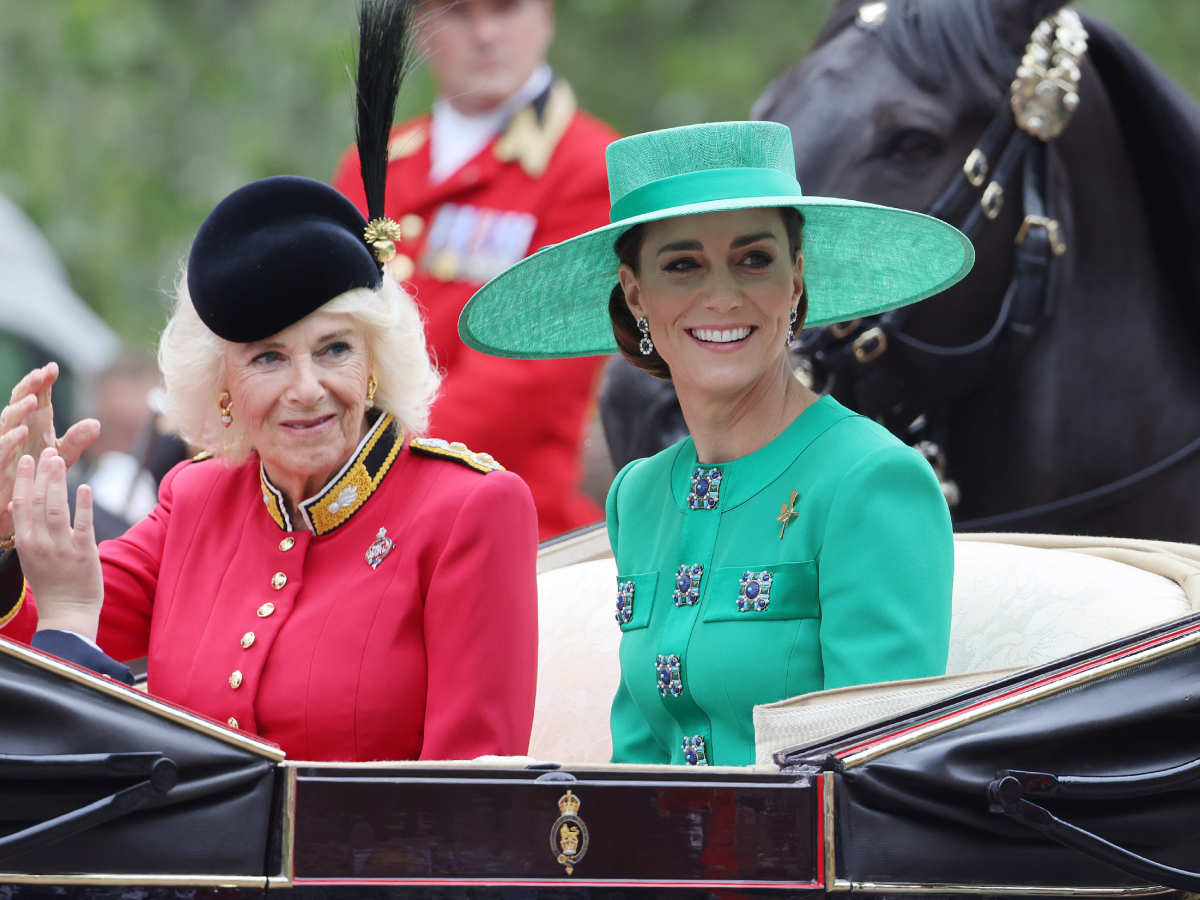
1061 379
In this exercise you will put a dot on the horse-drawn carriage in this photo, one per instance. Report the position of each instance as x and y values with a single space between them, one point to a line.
1057 757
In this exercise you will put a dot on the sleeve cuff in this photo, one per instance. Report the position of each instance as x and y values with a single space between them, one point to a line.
12 587
79 650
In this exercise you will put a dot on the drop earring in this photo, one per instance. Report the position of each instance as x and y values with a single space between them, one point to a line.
647 345
225 404
791 335
372 384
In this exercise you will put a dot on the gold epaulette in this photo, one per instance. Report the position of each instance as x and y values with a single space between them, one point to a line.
480 462
408 139
530 139
201 457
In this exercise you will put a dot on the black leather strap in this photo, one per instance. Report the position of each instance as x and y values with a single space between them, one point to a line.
995 136
1024 301
163 776
1031 268
1008 795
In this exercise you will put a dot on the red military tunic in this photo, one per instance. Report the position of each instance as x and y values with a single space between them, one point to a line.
540 182
291 634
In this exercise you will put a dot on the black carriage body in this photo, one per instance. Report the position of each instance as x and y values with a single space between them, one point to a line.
902 807
1106 743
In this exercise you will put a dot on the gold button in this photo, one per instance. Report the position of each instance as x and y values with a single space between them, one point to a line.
265 610
247 639
287 544
232 722
402 267
278 580
235 680
411 226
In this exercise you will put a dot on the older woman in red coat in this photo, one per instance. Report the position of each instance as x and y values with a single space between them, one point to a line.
322 577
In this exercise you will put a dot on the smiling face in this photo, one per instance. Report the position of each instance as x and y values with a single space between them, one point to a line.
482 51
718 290
301 397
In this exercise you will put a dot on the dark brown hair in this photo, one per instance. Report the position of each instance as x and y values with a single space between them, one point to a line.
629 247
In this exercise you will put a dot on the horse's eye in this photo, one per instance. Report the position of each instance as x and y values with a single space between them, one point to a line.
914 145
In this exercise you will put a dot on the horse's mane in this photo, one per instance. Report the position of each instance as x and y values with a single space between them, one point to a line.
940 43
1160 124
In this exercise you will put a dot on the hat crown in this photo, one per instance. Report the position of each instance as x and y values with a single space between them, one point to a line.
636 161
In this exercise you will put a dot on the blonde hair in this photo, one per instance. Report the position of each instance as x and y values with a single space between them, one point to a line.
192 360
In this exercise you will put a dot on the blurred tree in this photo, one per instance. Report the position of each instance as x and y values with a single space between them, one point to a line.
122 122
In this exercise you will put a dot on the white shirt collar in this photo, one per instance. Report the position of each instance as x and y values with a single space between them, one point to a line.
456 137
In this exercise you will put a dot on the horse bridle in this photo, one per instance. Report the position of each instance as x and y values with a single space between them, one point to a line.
848 347
1021 135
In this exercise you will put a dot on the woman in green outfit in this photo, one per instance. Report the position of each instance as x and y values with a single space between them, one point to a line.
789 545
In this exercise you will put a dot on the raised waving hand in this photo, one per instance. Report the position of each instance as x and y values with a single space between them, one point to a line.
59 560
27 428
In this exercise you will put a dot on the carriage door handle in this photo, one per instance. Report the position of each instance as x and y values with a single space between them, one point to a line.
160 774
1009 791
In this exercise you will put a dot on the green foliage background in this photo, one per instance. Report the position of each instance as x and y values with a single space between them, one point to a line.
122 122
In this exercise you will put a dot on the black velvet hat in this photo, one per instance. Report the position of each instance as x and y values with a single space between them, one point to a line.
277 249
274 251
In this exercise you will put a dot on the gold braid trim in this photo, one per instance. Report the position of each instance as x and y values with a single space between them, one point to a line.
339 501
274 500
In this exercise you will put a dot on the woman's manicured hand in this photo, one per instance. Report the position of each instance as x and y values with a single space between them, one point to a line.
60 561
27 428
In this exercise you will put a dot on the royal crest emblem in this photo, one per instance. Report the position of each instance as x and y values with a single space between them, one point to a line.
568 835
379 549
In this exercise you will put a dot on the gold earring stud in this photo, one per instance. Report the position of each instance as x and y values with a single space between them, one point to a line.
372 385
225 404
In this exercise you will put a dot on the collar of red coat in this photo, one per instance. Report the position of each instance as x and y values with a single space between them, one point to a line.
529 138
348 491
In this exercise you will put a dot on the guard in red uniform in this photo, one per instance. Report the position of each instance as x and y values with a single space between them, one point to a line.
505 164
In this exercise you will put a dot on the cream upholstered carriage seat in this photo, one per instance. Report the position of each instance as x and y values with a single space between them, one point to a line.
1019 601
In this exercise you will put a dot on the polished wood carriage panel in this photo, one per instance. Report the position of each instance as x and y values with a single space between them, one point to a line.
698 828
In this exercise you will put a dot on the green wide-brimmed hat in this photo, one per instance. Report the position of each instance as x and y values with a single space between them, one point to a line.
859 258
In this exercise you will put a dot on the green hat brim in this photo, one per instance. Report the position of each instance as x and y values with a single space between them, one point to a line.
860 259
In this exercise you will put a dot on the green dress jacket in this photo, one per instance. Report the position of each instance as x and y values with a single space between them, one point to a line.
720 612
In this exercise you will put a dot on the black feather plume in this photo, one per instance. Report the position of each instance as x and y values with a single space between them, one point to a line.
383 42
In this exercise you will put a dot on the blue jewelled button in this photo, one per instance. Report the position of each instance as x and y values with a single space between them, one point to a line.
694 751
706 488
624 602
754 593
669 682
687 585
